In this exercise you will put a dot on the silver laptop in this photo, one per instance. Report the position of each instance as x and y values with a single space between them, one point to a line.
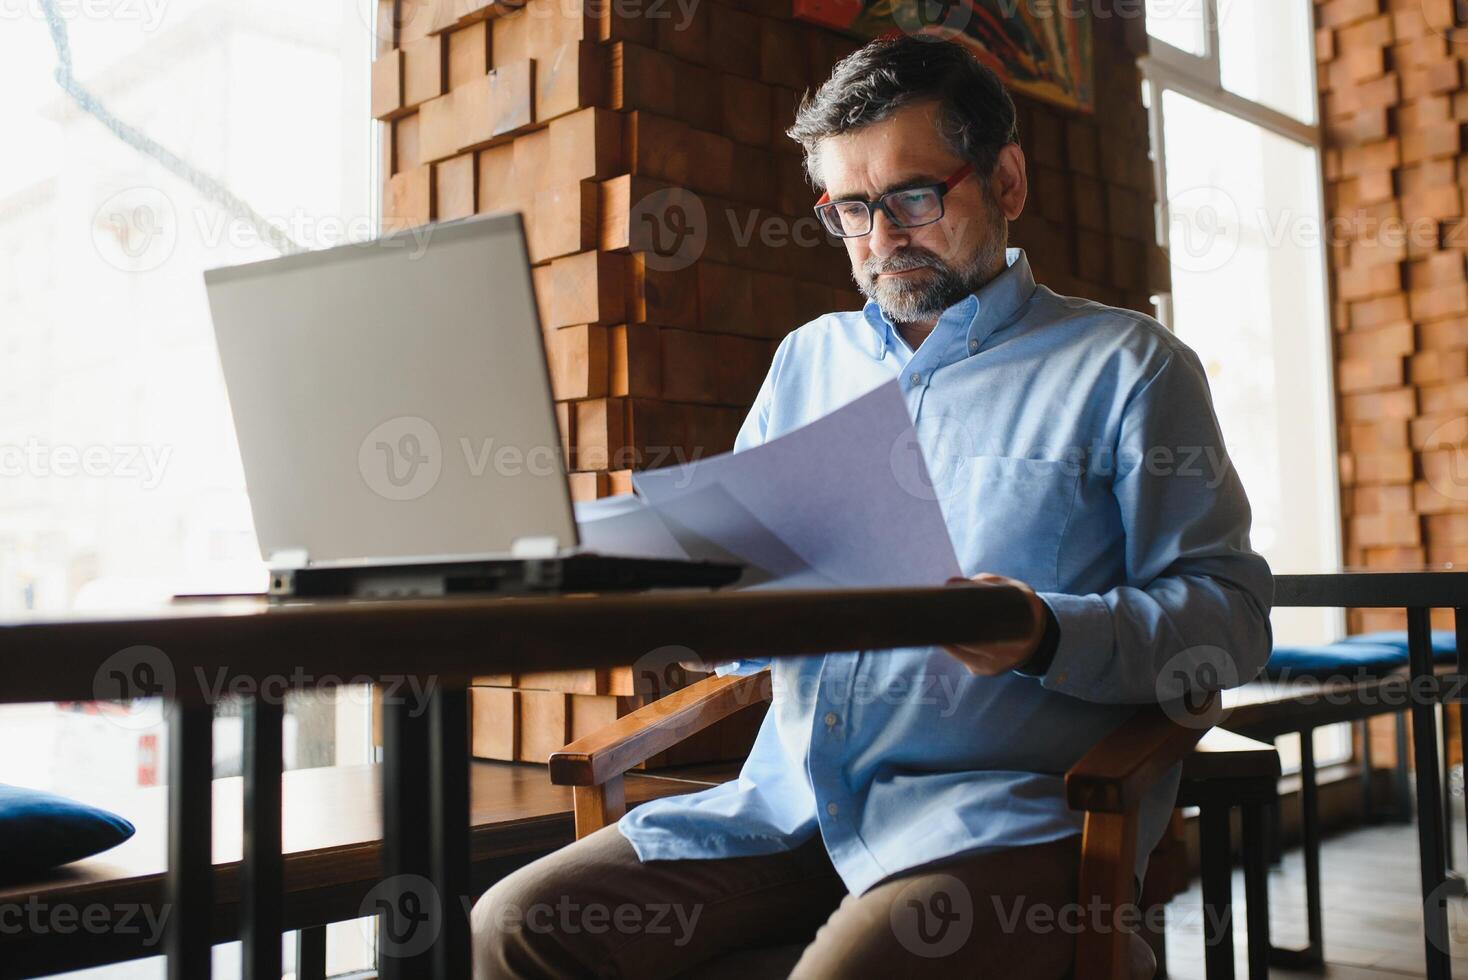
395 420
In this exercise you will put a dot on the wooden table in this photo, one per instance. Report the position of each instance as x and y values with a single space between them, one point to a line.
1418 592
259 651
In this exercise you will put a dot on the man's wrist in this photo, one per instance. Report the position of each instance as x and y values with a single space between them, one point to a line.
1039 662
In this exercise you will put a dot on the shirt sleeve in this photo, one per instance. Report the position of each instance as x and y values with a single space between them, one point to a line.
1194 612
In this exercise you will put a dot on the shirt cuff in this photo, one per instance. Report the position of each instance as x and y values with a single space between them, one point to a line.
1081 621
1040 660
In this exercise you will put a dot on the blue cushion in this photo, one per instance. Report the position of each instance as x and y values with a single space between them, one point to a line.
1344 659
42 830
1443 646
1362 655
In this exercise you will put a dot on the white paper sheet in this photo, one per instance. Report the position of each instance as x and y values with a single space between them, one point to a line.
625 525
840 500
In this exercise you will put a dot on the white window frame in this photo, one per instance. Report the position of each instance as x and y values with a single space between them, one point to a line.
1200 78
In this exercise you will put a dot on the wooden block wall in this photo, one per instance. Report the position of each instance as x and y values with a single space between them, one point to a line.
525 717
669 224
1392 108
1089 227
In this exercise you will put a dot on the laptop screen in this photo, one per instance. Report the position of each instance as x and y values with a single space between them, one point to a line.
391 399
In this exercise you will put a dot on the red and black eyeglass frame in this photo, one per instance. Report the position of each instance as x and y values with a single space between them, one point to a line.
881 202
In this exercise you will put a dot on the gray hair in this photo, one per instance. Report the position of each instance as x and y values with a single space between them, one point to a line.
976 115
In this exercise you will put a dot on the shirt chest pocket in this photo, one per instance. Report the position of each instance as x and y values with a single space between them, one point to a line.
1008 515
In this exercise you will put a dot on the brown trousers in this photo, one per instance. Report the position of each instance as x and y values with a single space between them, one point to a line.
592 909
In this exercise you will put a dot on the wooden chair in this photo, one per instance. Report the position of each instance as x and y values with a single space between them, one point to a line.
1107 784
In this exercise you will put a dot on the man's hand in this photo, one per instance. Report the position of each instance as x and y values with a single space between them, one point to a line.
991 659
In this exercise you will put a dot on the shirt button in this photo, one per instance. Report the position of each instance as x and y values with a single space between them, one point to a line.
831 719
832 809
914 377
973 345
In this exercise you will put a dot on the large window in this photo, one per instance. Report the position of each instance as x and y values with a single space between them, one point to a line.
1230 86
146 141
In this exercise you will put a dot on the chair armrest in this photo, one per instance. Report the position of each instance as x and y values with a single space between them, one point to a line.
1118 770
612 750
1108 783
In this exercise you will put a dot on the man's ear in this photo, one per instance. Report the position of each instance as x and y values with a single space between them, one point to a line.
1010 184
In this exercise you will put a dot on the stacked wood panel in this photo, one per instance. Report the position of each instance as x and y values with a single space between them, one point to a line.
1392 109
669 223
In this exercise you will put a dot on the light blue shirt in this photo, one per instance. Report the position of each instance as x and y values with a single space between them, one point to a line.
1071 445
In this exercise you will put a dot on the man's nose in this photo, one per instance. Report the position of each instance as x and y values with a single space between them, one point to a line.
885 237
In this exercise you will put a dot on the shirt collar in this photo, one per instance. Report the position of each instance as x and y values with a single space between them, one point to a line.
985 311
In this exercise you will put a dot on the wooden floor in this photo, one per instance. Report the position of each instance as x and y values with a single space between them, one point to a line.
1372 910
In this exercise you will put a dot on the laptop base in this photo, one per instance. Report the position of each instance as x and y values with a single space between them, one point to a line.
510 576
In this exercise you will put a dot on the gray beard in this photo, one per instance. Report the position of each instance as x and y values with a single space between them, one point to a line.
925 296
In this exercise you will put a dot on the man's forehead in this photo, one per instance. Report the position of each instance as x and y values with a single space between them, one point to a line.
903 147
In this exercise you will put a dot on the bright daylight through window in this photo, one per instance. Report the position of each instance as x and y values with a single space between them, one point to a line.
147 141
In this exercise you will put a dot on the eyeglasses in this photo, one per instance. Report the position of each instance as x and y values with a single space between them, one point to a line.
911 207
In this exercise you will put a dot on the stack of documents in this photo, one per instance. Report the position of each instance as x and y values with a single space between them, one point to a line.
826 505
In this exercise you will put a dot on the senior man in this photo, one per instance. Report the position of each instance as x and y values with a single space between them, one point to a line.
903 811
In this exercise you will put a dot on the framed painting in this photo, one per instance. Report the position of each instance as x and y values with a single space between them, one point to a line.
1042 49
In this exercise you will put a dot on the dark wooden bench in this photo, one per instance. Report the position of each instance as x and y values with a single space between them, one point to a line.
1228 771
333 859
1267 710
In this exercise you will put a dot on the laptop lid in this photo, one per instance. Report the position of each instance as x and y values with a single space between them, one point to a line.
392 399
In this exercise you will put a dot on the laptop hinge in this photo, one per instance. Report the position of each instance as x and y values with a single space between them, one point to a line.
535 546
